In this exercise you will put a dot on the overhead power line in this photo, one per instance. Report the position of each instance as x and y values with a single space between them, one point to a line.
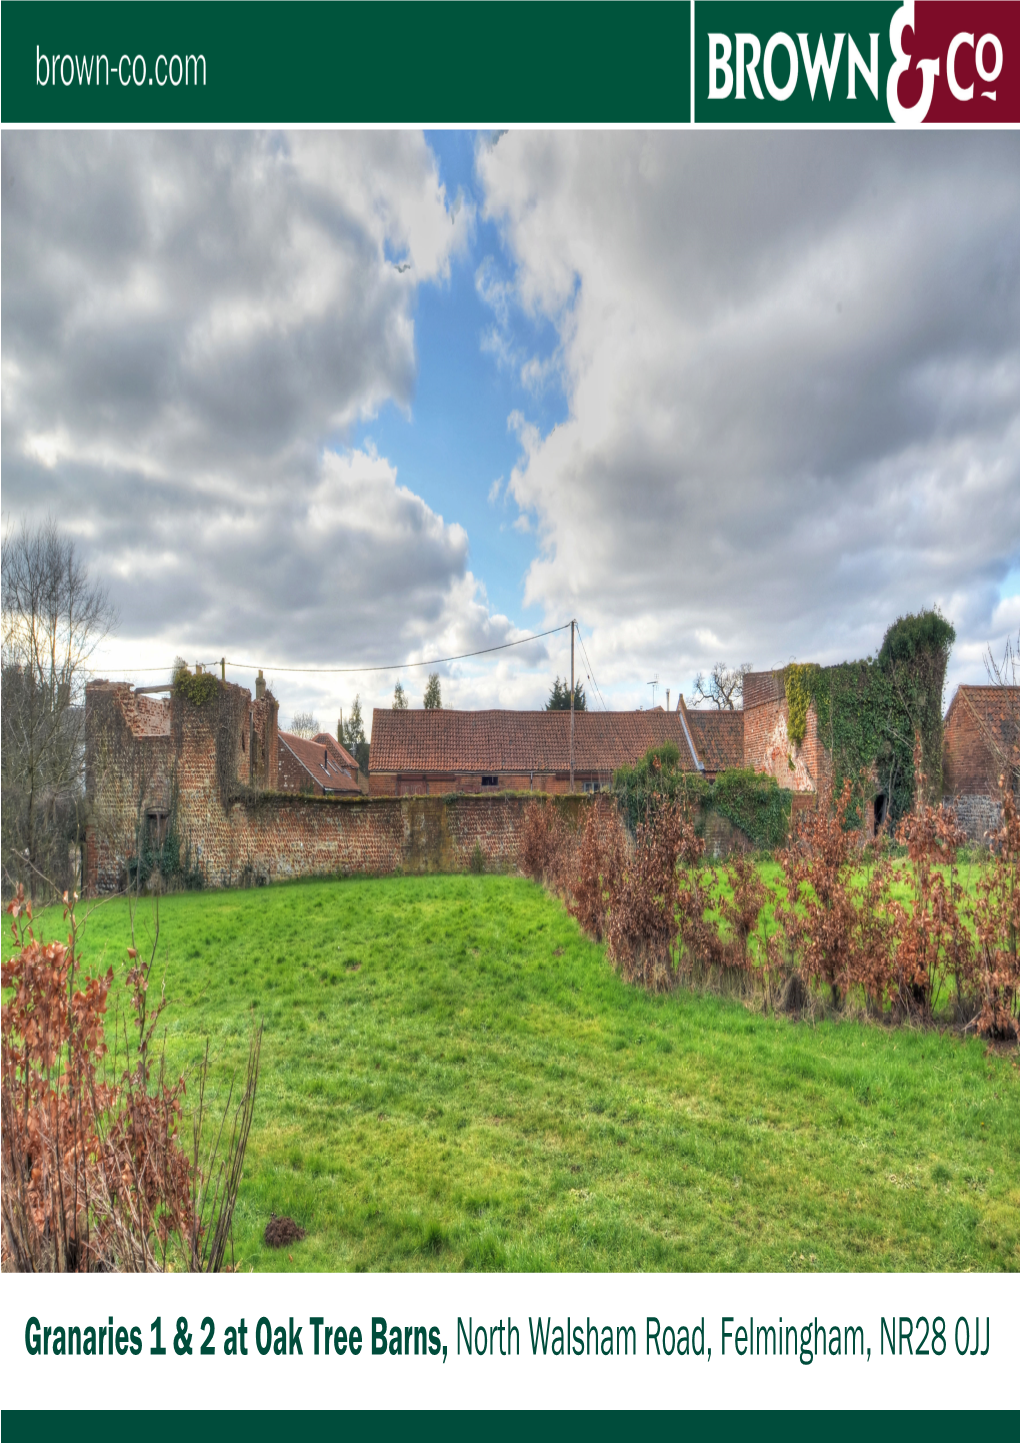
355 670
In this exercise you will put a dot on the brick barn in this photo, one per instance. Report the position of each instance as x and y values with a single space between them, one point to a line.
418 752
979 741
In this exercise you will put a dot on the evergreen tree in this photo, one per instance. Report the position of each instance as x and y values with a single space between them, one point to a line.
559 697
433 696
354 735
399 698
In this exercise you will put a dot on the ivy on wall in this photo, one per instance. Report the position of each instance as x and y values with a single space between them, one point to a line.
754 802
870 711
751 800
797 680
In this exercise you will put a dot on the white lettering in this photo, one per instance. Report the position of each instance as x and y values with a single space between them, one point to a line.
753 44
821 61
86 70
158 59
855 62
781 92
719 52
958 90
996 44
39 58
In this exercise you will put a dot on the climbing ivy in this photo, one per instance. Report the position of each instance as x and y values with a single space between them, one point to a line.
870 711
798 682
752 801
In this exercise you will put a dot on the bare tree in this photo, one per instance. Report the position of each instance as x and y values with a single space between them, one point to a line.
304 724
723 689
54 617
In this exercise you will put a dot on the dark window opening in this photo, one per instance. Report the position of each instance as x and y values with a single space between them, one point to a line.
490 781
593 786
881 809
157 824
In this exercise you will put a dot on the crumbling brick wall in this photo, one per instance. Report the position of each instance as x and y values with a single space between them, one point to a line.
767 744
148 755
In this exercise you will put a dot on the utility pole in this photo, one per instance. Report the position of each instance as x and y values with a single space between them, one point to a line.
572 625
223 667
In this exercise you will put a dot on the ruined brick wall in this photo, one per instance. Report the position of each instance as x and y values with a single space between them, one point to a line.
768 748
145 754
128 748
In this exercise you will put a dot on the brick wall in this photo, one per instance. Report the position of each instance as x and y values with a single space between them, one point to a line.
176 757
768 748
978 815
969 766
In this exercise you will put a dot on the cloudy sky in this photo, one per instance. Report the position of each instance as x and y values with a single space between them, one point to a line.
341 400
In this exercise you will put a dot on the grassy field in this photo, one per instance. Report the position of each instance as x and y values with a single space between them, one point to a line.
453 1077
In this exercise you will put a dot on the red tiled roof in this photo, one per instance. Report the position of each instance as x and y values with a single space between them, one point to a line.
997 707
320 762
518 741
342 755
718 737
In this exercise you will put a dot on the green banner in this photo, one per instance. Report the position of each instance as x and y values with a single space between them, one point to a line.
437 62
782 62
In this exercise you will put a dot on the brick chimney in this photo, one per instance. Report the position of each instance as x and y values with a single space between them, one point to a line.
260 686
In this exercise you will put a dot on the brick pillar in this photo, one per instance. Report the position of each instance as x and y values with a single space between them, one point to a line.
273 746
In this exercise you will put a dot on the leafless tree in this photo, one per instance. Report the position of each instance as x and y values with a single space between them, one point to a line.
305 724
54 617
723 689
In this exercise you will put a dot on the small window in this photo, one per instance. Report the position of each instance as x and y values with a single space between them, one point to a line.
490 781
593 786
157 823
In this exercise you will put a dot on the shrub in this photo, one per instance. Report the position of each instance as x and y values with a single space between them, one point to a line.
819 873
933 939
996 972
600 862
93 1170
657 925
546 847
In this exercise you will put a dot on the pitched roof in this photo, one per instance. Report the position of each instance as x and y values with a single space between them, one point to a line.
718 737
316 758
340 752
518 741
997 707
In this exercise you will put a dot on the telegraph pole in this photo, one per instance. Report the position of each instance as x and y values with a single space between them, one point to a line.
572 625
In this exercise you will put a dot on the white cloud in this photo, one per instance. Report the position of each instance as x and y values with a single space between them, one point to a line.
792 369
191 324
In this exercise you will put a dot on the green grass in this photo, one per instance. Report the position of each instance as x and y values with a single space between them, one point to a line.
453 1077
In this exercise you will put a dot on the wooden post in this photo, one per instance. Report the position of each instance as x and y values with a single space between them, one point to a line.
223 668
572 625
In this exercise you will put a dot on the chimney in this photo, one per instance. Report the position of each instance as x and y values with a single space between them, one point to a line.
667 698
260 686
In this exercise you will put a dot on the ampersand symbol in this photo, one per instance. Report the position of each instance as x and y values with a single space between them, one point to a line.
182 1342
